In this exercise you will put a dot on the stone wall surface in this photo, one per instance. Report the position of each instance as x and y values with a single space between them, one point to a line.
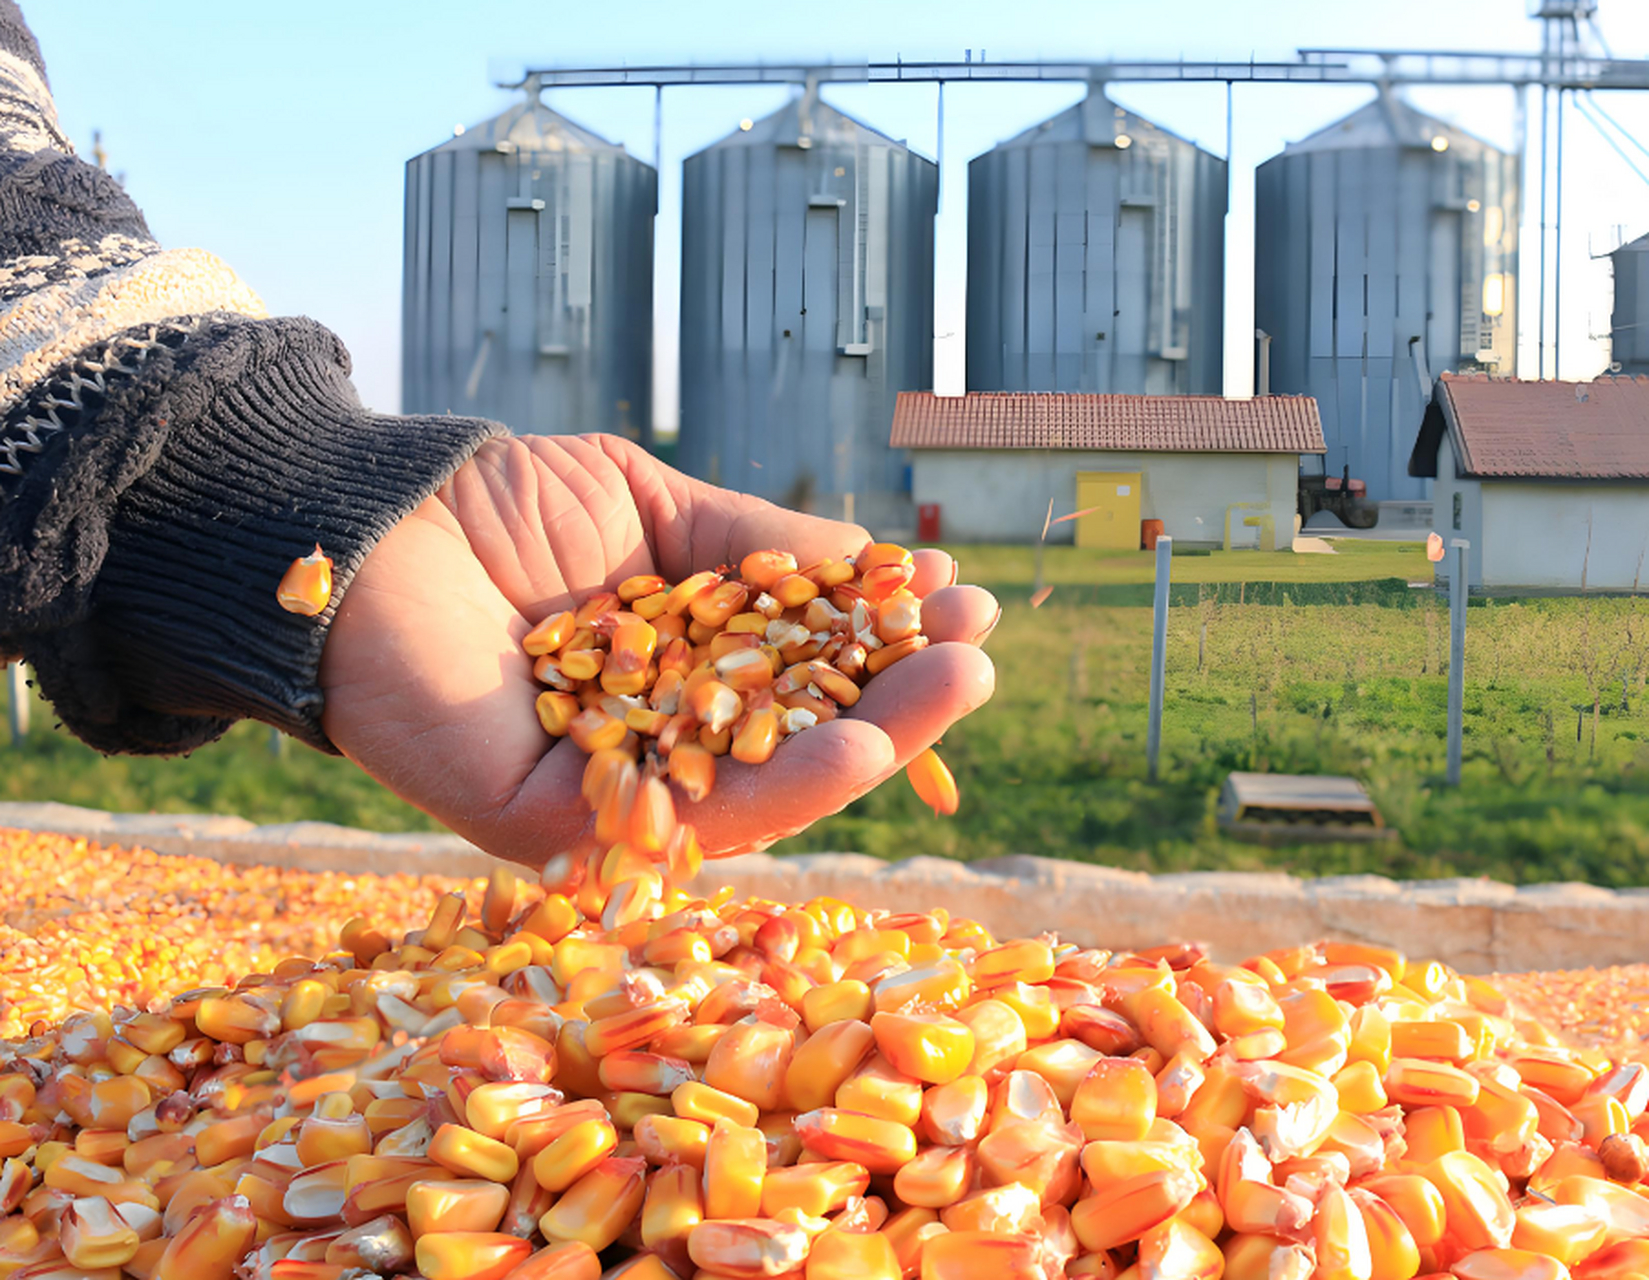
1475 925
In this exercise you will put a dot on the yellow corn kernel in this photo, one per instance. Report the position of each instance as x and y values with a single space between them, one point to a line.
697 1101
470 1255
597 1208
465 1152
461 1205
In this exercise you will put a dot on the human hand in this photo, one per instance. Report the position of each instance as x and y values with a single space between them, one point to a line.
428 690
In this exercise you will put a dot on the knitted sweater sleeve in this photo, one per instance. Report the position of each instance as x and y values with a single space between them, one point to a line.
165 452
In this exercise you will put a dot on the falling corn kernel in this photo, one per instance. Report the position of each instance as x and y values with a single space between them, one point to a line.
306 586
932 782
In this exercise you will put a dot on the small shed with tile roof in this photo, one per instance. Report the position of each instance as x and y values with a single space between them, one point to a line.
1213 471
1548 481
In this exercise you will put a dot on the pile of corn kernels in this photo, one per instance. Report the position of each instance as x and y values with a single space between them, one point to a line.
86 926
607 1076
746 1089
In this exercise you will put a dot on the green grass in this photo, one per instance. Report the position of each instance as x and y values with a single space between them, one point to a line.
1312 664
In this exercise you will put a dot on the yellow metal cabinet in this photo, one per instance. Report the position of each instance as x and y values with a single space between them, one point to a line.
1111 499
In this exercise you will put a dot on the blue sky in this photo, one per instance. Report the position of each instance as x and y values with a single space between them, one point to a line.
275 135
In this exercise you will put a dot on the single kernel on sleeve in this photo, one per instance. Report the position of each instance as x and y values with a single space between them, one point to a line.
306 586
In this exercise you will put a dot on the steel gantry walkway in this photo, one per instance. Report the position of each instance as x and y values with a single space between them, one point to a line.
1573 61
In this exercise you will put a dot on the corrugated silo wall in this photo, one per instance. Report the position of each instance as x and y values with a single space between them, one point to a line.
528 289
1068 245
1629 324
1369 267
774 286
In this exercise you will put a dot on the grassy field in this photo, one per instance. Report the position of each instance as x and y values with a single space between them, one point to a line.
1291 663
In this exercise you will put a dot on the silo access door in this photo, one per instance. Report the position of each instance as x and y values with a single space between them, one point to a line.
1111 501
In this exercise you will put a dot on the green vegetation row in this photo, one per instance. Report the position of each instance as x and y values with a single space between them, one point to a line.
1286 663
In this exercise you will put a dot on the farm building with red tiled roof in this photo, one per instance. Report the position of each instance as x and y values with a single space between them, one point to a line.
1214 472
1548 481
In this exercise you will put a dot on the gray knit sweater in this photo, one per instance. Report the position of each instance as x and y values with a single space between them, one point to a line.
165 452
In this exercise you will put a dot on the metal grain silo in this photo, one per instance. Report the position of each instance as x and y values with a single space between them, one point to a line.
806 306
528 280
1629 326
1096 258
1385 254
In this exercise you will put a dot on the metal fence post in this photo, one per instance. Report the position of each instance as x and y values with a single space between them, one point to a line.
1159 657
17 697
1457 657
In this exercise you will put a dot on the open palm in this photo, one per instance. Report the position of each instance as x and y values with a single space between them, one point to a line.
427 688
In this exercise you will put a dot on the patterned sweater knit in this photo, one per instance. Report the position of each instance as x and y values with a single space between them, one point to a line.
166 450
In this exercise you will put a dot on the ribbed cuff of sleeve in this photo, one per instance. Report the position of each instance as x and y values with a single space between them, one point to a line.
259 450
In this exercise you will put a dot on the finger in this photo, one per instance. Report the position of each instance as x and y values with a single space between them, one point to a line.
934 569
813 774
966 614
916 700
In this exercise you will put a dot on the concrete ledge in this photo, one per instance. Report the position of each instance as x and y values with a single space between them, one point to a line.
1478 926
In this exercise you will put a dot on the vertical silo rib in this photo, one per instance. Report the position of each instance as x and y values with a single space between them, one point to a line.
437 373
409 312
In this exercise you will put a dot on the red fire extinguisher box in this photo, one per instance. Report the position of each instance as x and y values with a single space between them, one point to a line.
927 522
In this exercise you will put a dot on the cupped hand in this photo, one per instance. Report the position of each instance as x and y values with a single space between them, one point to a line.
428 690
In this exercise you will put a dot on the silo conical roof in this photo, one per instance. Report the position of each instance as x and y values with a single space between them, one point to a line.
1096 120
530 126
1388 121
1640 245
805 116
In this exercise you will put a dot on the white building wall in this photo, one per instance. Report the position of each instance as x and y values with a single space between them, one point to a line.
1457 512
1556 536
1001 495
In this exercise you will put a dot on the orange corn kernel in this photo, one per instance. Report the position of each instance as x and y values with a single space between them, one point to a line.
930 779
748 1247
1117 1101
954 1114
980 1255
1417 1083
1567 1232
1263 1257
1340 1236
1415 1200
306 586
881 1146
573 1154
470 1255
1177 1251
751 1061
735 1162
210 1244
827 1059
936 1178
93 1234
1508 1264
817 1189
599 1206
1126 1210
672 1207
878 1089
928 1047
549 635
1476 1211
459 1205
853 1255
